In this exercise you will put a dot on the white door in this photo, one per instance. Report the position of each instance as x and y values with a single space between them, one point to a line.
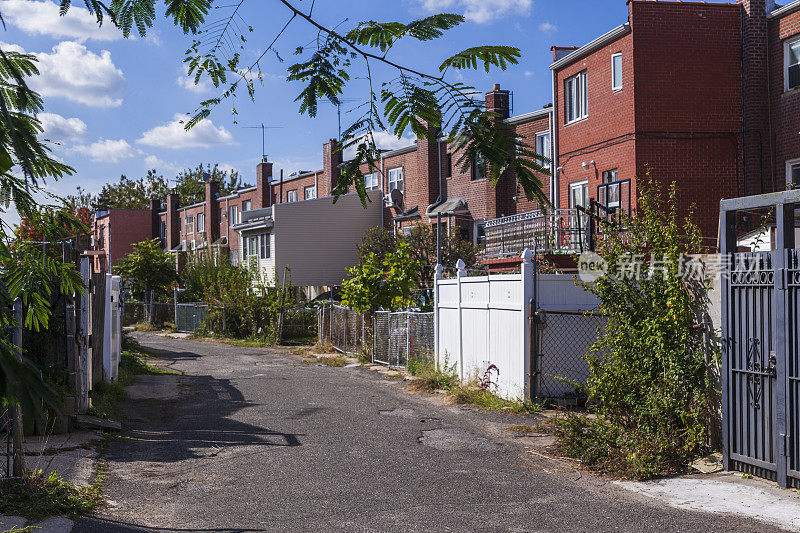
579 197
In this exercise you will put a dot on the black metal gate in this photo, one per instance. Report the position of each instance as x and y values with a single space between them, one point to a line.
761 345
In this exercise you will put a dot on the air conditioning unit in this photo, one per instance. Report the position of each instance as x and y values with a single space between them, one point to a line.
393 199
183 246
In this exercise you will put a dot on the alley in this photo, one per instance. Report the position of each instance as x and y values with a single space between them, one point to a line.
252 440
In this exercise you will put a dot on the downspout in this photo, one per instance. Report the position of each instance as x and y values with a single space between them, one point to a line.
438 202
554 174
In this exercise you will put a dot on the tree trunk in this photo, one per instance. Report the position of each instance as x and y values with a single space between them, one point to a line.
17 448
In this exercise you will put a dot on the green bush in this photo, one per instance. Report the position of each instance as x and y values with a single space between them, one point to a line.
648 380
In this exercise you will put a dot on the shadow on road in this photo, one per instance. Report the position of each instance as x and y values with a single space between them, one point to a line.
97 524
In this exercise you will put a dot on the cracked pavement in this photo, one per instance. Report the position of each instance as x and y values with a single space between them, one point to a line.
253 440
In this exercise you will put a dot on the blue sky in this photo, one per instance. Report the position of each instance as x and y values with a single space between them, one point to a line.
112 104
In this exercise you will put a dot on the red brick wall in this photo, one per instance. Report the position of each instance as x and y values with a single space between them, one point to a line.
688 101
299 185
785 105
606 135
121 228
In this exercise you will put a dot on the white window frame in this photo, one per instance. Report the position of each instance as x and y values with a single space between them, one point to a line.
264 245
310 192
233 215
394 180
188 224
576 90
616 84
546 148
789 42
790 164
201 222
578 184
372 182
291 196
616 187
247 205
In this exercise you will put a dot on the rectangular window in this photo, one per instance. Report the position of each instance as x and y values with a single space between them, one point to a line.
163 230
480 233
309 193
792 62
201 222
189 224
396 179
478 168
221 216
578 194
793 172
576 104
233 215
543 144
247 205
616 72
611 191
448 164
291 196
372 181
251 246
263 240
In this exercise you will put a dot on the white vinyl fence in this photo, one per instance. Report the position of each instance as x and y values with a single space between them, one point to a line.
485 321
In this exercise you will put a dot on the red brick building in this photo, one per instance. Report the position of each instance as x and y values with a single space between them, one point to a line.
690 92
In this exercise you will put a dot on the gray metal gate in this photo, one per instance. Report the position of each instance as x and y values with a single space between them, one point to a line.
189 317
761 346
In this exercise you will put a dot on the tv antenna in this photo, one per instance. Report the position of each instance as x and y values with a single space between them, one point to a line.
339 112
263 129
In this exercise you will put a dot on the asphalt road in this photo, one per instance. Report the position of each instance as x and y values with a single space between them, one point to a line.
256 441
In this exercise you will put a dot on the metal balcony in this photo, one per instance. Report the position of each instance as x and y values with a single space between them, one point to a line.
556 231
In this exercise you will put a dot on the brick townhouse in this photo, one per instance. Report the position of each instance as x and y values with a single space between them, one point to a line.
705 95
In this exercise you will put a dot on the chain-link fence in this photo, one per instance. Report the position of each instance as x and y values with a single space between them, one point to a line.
5 442
564 338
136 313
299 323
346 329
388 338
401 335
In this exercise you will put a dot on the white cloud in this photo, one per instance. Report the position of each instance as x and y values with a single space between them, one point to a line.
59 129
75 73
480 11
528 73
173 135
187 82
43 18
107 150
548 27
159 164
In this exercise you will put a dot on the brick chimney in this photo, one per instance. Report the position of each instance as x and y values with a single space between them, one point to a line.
173 221
498 101
263 177
427 166
211 210
155 209
755 93
331 159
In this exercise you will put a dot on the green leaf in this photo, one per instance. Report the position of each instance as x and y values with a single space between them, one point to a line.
489 56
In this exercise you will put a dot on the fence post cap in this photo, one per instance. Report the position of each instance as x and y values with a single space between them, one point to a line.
438 269
527 255
462 267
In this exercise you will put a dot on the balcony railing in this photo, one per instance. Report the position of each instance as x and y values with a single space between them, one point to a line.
560 230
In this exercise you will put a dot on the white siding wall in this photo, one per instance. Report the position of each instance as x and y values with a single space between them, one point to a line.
318 238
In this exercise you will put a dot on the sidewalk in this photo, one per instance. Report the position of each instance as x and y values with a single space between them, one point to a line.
72 456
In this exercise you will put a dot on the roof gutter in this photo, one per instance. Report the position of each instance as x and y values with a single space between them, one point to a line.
785 10
585 50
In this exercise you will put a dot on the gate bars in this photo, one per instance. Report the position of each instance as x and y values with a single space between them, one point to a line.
761 345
